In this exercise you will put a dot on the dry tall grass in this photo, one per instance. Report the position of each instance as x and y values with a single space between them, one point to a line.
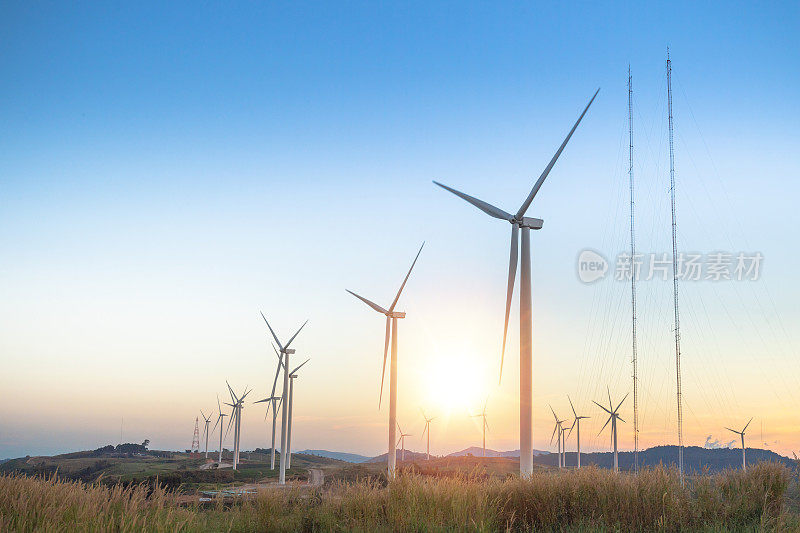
589 499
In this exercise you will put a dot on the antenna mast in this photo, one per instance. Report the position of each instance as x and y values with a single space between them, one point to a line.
633 282
675 269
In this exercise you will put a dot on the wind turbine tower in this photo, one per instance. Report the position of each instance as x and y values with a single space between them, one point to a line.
207 421
292 377
391 331
402 442
220 418
274 403
741 434
576 423
558 431
285 352
428 431
522 224
484 425
613 416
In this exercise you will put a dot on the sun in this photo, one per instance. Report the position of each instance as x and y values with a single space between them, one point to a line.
456 382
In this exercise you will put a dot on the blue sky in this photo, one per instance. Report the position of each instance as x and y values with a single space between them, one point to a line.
166 171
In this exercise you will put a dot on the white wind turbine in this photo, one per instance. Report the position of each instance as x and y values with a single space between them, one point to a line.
519 222
576 423
613 416
220 418
274 403
285 353
428 431
558 431
402 442
391 330
207 420
485 425
741 434
292 377
236 420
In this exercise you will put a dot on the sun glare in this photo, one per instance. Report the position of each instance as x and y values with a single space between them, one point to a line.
456 383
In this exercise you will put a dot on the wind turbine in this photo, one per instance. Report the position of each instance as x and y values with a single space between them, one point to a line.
274 403
220 418
613 417
485 425
285 352
391 330
519 222
428 431
559 430
741 434
292 376
207 421
402 442
236 419
576 423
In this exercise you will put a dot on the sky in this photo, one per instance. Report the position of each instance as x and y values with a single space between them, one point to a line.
168 171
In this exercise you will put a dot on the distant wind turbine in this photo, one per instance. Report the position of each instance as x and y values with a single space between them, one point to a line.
207 421
741 434
576 423
613 417
292 377
236 420
402 442
274 403
428 431
285 352
519 222
220 418
391 331
485 425
558 431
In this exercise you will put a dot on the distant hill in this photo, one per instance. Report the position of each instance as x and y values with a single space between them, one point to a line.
341 456
410 456
695 458
477 451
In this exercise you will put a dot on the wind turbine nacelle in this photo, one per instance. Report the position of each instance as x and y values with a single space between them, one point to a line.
398 314
532 223
289 351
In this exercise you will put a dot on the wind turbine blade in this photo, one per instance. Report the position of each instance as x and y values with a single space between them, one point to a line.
262 401
219 407
216 424
733 430
299 366
271 331
385 353
277 373
572 427
554 413
373 305
230 421
610 404
601 407
296 334
424 430
620 403
554 433
489 209
745 427
391 308
552 162
512 276
572 406
621 419
604 425
203 414
485 423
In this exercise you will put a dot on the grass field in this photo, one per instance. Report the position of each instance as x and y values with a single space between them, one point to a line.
590 499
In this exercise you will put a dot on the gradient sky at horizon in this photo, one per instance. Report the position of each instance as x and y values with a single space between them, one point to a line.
168 171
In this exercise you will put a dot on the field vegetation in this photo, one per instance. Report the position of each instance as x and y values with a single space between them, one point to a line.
590 499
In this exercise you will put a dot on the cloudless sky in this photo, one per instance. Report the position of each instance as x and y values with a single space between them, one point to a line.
169 170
